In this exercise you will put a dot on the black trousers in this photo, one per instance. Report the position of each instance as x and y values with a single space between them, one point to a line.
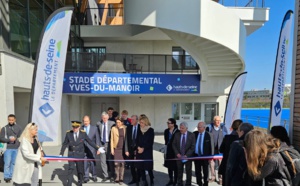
80 171
188 168
134 172
143 174
201 164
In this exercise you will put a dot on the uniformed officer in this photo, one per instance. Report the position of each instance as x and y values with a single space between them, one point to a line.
74 140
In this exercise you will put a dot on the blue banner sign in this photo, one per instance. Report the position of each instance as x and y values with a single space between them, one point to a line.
105 83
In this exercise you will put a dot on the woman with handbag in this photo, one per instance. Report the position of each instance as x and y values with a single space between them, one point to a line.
29 159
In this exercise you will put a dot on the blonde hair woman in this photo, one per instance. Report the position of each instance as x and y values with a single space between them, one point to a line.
28 169
144 144
263 159
117 141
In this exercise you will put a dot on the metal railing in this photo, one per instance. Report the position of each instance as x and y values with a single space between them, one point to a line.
263 122
243 3
130 63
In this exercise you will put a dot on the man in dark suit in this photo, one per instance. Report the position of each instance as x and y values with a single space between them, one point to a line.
184 147
130 146
204 147
90 152
75 140
104 127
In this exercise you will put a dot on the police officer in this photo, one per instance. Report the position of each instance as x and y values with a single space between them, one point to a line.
75 140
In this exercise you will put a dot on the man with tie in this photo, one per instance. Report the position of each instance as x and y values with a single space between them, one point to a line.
184 147
90 152
204 147
104 127
75 140
130 146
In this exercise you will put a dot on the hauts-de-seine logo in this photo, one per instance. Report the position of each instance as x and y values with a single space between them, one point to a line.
277 108
46 109
169 88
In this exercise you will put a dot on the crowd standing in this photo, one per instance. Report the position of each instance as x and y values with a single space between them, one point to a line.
250 156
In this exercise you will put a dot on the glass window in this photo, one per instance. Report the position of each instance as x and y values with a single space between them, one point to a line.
36 25
181 60
197 111
19 32
187 111
175 111
186 108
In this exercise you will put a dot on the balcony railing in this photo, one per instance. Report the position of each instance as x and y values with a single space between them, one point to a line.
243 3
130 63
113 14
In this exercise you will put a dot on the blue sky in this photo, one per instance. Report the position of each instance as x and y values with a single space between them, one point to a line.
261 47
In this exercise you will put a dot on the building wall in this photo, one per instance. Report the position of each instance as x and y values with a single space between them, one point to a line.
16 76
159 108
295 101
22 102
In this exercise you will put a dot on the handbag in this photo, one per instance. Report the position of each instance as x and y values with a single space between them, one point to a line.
4 144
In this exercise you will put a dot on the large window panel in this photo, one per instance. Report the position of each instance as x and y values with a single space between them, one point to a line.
19 32
36 25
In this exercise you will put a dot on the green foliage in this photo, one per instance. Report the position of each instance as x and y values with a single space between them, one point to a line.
259 103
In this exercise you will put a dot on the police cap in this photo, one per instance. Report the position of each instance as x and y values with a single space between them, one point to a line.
75 123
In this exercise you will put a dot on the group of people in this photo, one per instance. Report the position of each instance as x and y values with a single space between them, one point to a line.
250 156
182 144
24 155
116 139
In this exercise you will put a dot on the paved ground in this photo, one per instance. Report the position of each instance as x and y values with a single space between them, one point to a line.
55 173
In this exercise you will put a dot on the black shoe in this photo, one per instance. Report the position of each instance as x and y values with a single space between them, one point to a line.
170 183
105 179
7 180
131 182
145 183
86 180
112 180
151 182
94 179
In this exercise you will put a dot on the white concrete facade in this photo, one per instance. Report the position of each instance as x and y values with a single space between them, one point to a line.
211 33
15 83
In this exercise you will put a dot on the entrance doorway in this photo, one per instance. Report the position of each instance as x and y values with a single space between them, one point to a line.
210 110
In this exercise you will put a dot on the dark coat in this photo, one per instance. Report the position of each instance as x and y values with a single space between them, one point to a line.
208 144
236 169
189 146
11 130
94 136
274 171
170 152
129 145
146 141
76 148
225 148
